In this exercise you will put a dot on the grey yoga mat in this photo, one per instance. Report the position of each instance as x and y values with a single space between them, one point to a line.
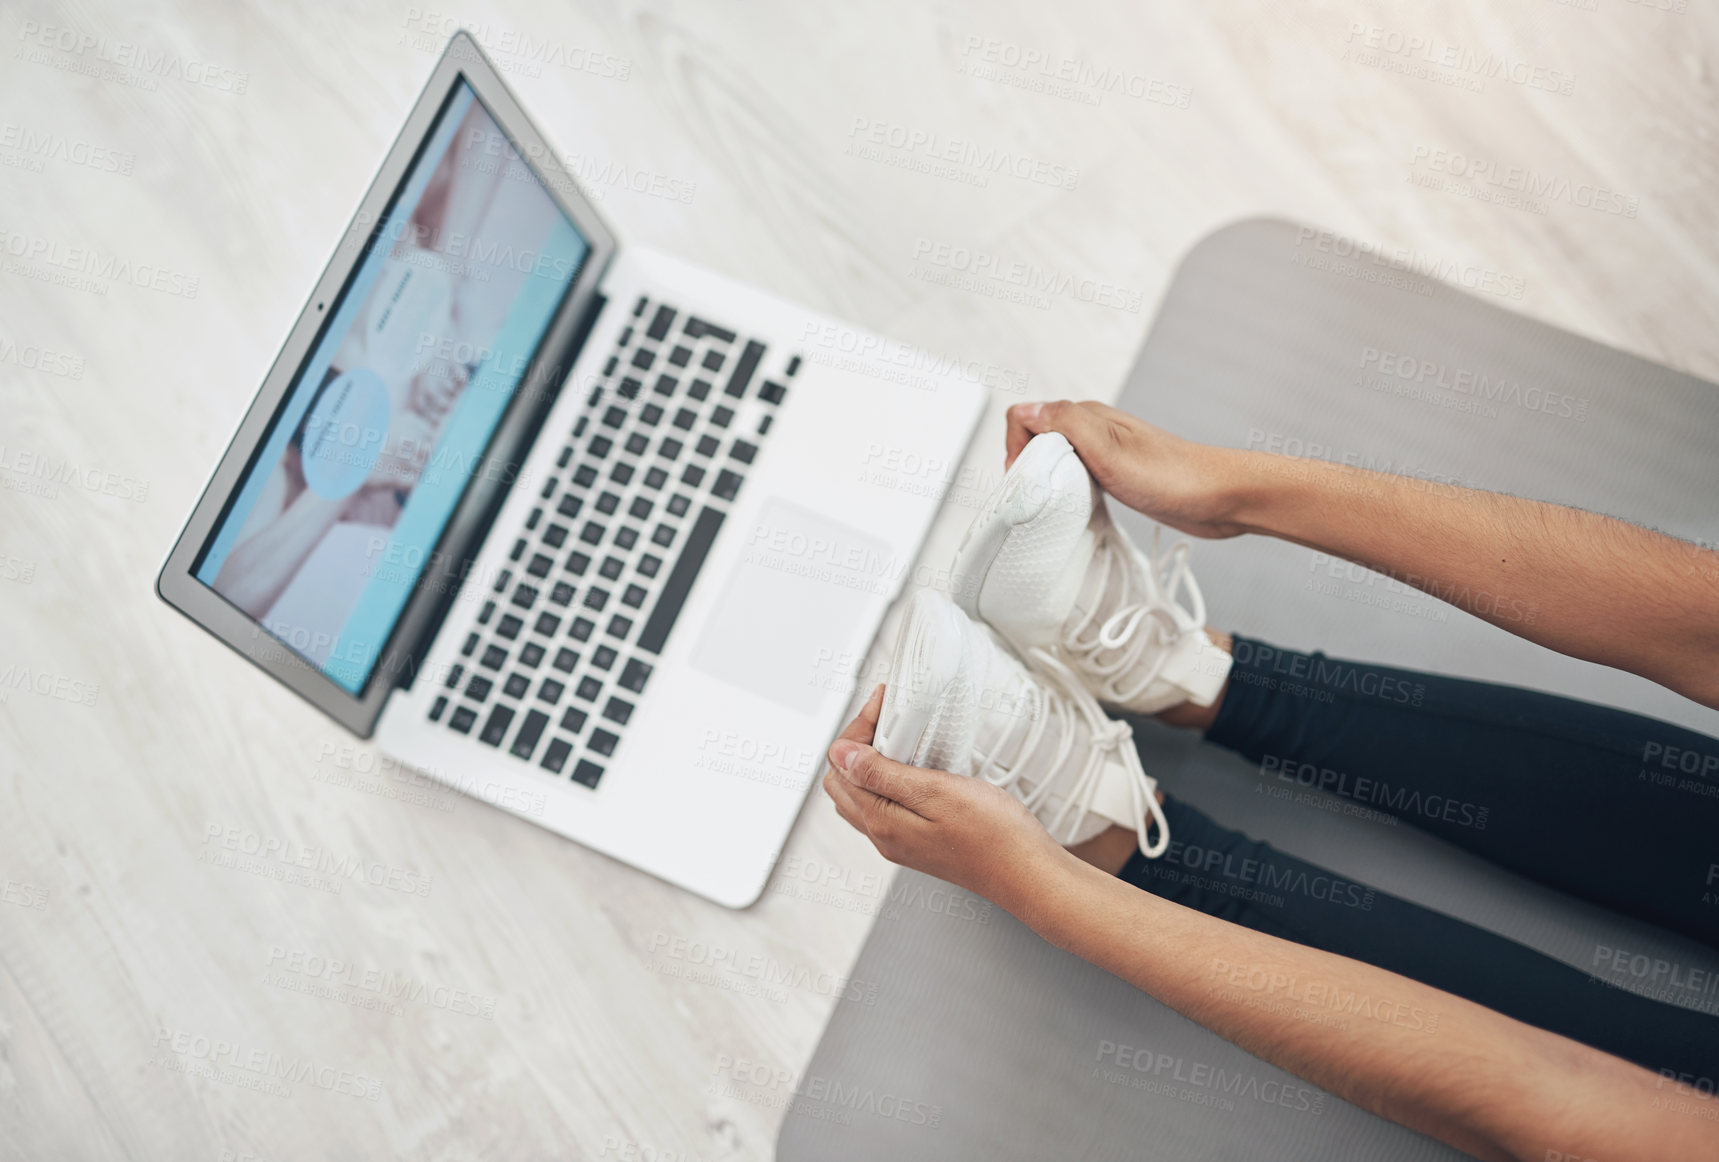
973 1039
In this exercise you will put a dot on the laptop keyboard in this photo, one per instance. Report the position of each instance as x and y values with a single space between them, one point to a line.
570 632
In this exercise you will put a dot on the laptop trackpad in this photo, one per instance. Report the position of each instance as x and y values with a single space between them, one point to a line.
788 607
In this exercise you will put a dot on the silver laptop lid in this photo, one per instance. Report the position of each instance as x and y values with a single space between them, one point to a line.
343 515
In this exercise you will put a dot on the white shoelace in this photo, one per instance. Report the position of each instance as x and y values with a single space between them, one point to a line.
1068 700
1148 597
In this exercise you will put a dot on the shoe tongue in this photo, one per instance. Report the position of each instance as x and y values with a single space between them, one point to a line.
1010 703
1002 727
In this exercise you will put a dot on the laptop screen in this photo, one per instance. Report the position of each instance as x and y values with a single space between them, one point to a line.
391 414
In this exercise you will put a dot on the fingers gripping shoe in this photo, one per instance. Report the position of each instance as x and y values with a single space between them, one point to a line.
1044 565
957 699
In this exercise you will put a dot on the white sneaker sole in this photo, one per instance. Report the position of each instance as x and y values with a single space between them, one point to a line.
929 646
1023 495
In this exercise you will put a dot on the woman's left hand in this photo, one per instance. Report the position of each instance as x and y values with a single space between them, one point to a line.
958 829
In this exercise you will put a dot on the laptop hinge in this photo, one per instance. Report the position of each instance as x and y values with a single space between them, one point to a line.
444 575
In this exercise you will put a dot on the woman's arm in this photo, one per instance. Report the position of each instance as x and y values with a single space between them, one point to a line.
1487 1084
261 566
1584 585
1449 1068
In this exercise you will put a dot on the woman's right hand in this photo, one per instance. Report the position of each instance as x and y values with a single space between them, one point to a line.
1194 488
405 452
963 830
435 389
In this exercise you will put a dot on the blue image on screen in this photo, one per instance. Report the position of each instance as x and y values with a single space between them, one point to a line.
392 413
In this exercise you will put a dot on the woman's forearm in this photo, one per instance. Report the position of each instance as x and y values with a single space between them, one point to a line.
1483 1082
259 570
1585 585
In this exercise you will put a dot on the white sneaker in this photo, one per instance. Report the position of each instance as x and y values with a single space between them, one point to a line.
1044 565
958 700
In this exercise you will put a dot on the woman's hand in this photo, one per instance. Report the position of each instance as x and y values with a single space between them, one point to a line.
405 452
435 390
1195 488
962 830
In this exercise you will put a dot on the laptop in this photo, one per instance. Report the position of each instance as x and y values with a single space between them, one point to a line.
578 528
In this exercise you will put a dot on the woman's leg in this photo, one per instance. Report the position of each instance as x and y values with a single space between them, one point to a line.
1612 807
1226 874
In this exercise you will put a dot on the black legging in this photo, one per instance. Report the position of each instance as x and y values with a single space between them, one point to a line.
1611 807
